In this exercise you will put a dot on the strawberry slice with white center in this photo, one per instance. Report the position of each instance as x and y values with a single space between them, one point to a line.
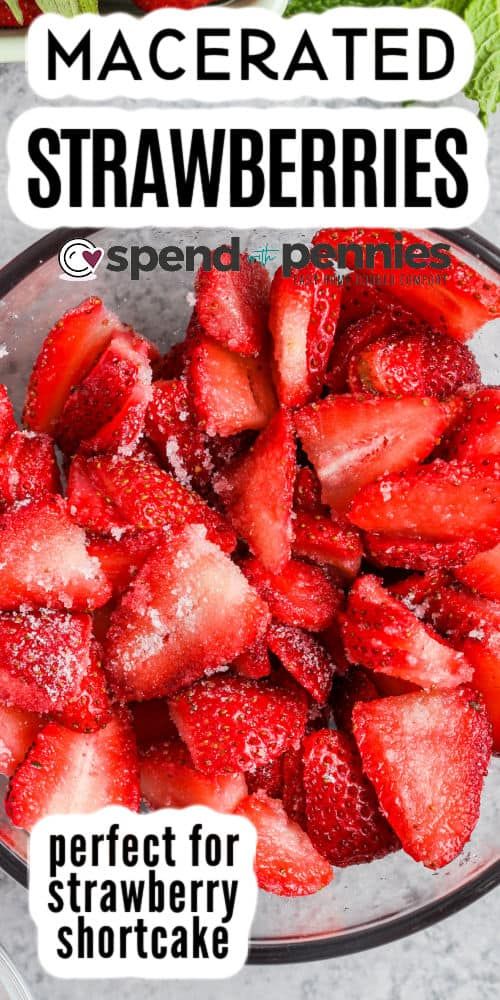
169 780
68 772
426 755
286 862
235 724
47 664
17 732
442 502
66 357
257 492
112 494
482 573
302 320
459 305
382 634
44 560
231 393
28 468
106 411
189 609
232 305
353 440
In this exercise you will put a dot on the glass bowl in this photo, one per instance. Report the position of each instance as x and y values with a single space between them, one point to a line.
365 905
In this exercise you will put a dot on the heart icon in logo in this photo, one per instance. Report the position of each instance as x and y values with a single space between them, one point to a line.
92 257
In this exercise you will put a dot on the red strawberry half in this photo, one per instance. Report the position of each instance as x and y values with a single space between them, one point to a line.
7 419
231 306
300 595
286 861
234 724
459 305
47 665
330 541
302 321
17 732
68 772
28 468
44 560
478 436
231 393
304 658
419 364
106 411
257 492
173 430
66 357
482 573
107 494
382 634
441 502
343 818
426 755
351 441
189 609
169 780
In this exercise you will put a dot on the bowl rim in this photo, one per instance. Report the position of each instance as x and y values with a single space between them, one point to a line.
326 946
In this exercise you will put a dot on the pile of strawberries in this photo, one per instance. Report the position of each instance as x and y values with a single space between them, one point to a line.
267 578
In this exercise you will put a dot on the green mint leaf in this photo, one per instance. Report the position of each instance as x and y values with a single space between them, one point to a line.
15 10
68 8
483 18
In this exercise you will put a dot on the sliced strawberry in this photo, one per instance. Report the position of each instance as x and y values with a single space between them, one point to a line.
112 493
382 634
302 320
441 502
7 419
68 772
232 305
356 685
304 658
189 609
351 440
426 755
44 560
152 722
460 615
286 862
47 665
386 319
478 436
106 411
231 393
344 821
267 779
234 724
92 708
293 793
307 493
330 541
257 492
121 558
66 356
17 732
173 430
416 553
300 595
169 781
426 363
28 468
484 657
254 662
359 299
482 573
459 305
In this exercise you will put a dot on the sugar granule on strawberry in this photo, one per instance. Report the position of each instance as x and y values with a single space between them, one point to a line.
232 723
343 818
231 306
304 658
